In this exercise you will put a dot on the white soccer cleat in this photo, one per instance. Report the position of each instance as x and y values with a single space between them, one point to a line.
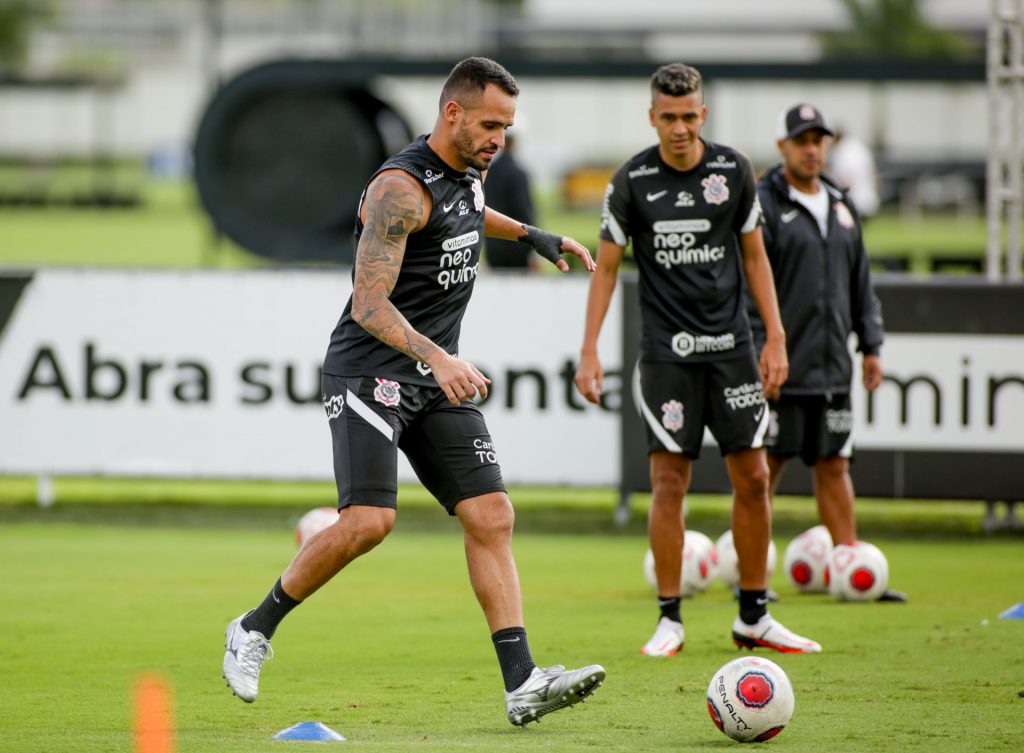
768 632
551 689
246 652
667 639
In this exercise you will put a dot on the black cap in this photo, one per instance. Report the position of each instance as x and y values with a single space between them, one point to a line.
800 118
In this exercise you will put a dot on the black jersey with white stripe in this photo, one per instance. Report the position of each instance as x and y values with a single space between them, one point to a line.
684 227
436 278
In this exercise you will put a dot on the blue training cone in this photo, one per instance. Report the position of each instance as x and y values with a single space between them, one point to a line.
1016 612
310 732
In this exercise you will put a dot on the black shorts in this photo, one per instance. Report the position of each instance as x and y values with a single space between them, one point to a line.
448 446
678 400
811 426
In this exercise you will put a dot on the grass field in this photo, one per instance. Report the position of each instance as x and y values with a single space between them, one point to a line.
395 655
171 230
124 576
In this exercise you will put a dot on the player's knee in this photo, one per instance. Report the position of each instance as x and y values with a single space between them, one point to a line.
492 521
753 485
373 524
499 522
833 468
669 483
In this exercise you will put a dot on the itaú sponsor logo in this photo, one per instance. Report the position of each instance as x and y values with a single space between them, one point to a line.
675 243
461 241
686 344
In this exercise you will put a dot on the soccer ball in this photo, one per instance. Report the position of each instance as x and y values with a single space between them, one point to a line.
698 564
806 560
700 561
313 522
729 563
750 699
857 572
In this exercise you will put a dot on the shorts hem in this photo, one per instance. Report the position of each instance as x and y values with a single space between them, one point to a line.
392 504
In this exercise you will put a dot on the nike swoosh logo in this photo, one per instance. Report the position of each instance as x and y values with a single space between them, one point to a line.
762 602
656 196
447 207
759 414
509 640
788 217
274 594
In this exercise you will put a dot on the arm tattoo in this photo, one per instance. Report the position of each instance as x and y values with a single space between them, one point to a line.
394 208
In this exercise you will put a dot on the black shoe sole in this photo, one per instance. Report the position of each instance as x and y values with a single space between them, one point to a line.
897 597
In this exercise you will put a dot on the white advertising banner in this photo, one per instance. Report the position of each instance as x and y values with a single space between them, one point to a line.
945 392
217 374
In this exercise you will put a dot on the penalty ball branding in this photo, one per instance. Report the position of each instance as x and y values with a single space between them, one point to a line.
750 699
727 705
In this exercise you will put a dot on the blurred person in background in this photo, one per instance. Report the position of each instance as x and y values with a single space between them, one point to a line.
393 380
852 165
690 208
812 233
507 189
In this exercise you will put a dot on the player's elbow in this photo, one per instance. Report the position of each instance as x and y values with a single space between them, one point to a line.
366 316
360 313
363 309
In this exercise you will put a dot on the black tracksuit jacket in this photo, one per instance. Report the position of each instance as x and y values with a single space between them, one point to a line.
823 285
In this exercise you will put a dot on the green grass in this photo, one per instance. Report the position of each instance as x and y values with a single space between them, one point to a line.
188 502
886 236
170 229
395 655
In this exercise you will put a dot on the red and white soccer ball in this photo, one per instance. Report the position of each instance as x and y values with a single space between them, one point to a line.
729 563
700 562
750 699
857 572
806 560
698 567
313 522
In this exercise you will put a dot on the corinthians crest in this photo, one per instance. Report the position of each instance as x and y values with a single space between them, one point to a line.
672 415
478 195
716 189
387 392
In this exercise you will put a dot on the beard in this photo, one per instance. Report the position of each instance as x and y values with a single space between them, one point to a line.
467 150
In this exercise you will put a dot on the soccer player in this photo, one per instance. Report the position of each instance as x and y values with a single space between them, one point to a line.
393 380
812 233
690 208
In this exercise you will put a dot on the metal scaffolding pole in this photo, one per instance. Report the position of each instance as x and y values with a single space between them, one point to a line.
1005 202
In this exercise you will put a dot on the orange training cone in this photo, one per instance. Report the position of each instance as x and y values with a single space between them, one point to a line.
154 727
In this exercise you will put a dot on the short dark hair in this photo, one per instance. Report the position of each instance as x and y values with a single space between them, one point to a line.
677 80
471 76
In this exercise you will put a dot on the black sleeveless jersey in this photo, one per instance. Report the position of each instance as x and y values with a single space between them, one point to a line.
685 229
436 278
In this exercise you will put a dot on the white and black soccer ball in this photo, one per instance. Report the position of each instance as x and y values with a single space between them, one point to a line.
806 560
698 566
728 562
750 699
313 522
857 572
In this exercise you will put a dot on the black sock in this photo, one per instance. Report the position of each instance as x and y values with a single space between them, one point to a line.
265 618
669 606
513 655
753 605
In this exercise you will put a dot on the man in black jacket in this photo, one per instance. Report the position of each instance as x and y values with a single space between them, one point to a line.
812 234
